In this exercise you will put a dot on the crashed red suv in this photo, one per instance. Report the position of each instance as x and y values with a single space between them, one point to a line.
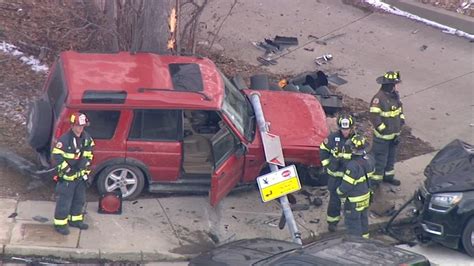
170 123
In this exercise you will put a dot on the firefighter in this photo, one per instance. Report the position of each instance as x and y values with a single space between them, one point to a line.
386 115
355 188
72 155
334 154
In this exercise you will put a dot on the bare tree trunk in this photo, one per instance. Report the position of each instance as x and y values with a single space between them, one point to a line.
153 24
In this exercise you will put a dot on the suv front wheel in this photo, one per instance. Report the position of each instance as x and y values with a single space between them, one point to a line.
468 238
126 178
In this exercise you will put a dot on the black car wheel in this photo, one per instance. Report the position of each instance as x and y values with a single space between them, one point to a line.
468 238
38 127
127 179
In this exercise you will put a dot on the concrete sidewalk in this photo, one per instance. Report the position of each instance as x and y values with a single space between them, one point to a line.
173 228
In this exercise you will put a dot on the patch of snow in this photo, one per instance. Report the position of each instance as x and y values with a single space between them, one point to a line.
393 10
29 60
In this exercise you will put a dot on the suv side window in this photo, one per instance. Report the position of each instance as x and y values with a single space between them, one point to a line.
102 123
156 125
223 145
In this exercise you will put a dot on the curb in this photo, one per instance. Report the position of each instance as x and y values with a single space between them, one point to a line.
442 16
90 254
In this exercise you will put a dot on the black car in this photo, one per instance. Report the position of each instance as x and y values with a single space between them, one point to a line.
334 251
445 201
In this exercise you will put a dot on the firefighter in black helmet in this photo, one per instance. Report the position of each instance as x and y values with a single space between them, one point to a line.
386 115
355 188
334 154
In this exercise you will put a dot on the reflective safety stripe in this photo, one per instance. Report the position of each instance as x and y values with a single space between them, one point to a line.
366 235
60 221
393 113
75 175
376 177
331 219
75 218
391 172
385 137
346 156
335 173
375 110
63 165
324 147
381 127
325 162
88 154
353 181
64 154
364 197
339 192
402 116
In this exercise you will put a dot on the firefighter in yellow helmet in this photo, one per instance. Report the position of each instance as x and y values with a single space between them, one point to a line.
334 154
386 115
72 155
355 188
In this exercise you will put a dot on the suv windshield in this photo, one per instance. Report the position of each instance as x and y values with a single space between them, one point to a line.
238 109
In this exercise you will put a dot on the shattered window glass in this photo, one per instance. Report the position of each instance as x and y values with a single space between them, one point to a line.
186 77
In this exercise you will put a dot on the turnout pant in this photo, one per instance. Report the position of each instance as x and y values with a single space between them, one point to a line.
334 204
357 222
384 152
71 197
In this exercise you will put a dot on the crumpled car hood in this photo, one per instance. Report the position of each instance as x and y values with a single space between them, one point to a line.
297 118
452 169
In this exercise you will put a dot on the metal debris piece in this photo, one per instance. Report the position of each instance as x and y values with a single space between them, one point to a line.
317 202
423 47
335 79
285 40
266 61
308 49
40 219
316 221
13 215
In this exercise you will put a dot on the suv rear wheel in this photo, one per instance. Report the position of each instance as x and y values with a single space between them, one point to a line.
468 238
126 178
38 127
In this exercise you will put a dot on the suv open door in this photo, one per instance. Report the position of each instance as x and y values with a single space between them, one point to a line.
229 157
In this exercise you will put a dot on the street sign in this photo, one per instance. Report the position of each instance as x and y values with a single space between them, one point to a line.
272 148
279 183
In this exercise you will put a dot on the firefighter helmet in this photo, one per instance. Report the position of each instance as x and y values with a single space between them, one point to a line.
345 121
358 144
390 77
79 119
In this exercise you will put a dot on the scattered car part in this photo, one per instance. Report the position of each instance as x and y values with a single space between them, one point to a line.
283 40
266 61
335 79
40 219
308 49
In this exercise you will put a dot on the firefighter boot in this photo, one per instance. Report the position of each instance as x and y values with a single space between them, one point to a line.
332 227
79 224
392 181
62 229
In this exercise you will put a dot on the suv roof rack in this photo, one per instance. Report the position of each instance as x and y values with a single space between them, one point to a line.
205 96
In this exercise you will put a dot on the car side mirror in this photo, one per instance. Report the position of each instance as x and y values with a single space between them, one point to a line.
241 150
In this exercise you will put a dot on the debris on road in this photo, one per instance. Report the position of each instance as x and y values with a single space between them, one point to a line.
13 215
40 219
423 47
273 47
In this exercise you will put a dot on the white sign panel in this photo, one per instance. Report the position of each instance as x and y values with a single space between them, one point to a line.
273 151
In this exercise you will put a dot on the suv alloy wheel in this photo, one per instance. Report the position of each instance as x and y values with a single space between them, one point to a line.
126 178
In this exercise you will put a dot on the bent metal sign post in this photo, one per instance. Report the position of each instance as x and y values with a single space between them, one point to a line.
279 183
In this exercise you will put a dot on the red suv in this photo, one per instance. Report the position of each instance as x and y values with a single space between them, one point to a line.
170 123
